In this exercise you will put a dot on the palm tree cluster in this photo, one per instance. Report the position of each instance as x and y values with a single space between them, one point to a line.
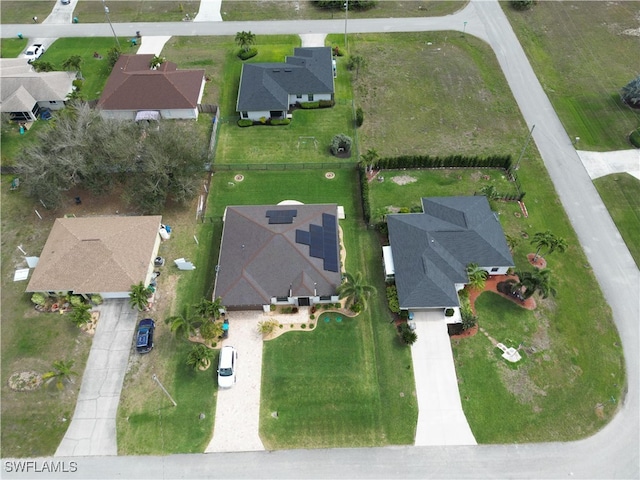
548 241
201 316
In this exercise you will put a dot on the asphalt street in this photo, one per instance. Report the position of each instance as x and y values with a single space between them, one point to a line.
611 453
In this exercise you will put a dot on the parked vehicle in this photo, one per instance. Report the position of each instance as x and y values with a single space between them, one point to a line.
34 52
144 336
227 367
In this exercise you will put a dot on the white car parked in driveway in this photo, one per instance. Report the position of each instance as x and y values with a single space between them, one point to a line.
34 52
227 367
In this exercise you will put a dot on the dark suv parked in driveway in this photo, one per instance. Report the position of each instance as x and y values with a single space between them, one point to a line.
144 337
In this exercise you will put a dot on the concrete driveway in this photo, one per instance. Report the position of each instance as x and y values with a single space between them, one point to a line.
238 408
441 420
93 427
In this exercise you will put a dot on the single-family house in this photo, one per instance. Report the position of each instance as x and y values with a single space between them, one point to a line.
105 255
278 254
135 91
432 249
25 92
269 90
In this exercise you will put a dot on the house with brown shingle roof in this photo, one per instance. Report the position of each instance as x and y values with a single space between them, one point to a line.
134 91
105 255
278 254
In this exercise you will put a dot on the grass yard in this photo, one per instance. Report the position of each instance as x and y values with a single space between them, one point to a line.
23 12
234 10
95 71
12 47
436 93
583 54
33 423
620 192
391 418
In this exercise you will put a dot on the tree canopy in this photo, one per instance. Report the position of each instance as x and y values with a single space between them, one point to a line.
82 149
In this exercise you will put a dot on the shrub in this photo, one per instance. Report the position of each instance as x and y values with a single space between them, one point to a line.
392 299
312 317
245 122
280 121
309 105
341 143
263 120
266 327
294 310
359 116
634 138
77 84
337 52
76 300
272 308
337 305
96 299
522 4
404 210
469 320
311 325
356 307
448 312
245 55
304 325
407 335
326 103
81 314
210 330
39 298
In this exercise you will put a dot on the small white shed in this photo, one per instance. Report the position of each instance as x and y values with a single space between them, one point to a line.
389 269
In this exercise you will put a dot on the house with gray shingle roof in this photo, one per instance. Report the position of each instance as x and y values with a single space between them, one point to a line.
269 90
134 91
24 92
278 254
432 249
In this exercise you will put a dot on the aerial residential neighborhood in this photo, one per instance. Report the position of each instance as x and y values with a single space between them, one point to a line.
374 237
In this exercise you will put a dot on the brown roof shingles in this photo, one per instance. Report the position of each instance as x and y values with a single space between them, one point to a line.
132 85
96 254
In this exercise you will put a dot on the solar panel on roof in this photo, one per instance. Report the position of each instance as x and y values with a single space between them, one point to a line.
303 237
281 216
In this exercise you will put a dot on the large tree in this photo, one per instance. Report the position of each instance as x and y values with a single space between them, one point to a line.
82 149
354 289
630 93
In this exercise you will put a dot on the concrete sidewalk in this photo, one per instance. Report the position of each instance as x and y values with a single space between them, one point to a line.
93 427
441 420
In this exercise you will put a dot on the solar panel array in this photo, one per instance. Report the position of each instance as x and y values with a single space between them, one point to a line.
281 216
322 241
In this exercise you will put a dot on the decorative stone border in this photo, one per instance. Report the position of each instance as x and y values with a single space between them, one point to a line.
238 178
329 175
25 381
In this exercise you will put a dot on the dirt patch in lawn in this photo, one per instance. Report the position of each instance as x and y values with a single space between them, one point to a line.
403 179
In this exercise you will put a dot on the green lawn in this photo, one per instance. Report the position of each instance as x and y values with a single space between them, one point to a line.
583 54
234 10
23 12
620 192
12 47
33 423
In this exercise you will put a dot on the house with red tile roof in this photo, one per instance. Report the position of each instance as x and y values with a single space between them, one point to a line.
135 91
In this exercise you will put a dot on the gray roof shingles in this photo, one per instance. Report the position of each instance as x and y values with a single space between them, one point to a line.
266 86
432 249
259 260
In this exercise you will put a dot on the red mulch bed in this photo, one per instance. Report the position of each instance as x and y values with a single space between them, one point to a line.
491 286
539 263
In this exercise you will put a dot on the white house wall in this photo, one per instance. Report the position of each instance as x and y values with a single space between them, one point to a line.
256 116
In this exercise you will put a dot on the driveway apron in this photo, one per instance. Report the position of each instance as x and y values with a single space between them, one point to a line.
238 408
441 420
93 427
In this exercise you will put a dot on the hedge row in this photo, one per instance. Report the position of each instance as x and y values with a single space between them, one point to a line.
246 122
457 161
364 191
317 104
245 55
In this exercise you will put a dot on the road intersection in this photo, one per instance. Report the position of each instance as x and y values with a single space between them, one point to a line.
611 453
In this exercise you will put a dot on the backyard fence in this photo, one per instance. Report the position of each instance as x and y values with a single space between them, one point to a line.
284 166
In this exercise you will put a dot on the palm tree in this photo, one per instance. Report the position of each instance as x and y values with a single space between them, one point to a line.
208 309
139 296
354 289
245 40
74 62
549 241
512 242
200 357
61 373
185 324
81 314
477 276
536 281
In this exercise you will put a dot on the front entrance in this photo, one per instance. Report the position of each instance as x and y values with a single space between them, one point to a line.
303 302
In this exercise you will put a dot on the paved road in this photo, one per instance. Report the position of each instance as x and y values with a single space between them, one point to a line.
612 453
